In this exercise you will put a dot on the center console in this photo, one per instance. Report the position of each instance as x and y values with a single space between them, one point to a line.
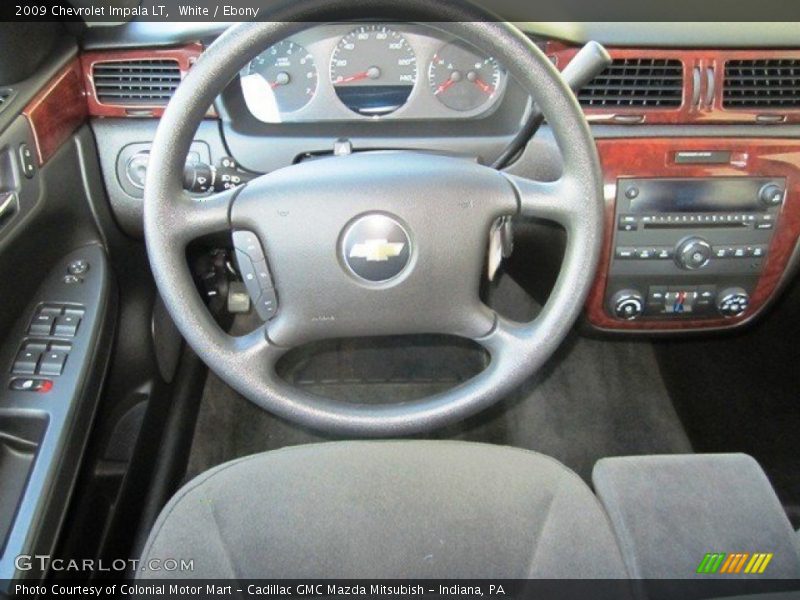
699 232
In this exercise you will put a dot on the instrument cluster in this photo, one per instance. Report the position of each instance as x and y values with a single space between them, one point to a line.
371 71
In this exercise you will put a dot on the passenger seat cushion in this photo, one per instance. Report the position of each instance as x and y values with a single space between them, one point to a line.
386 509
669 511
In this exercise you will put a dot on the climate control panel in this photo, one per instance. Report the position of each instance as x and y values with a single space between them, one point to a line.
691 248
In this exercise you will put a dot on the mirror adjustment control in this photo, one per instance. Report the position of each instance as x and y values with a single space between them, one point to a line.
627 305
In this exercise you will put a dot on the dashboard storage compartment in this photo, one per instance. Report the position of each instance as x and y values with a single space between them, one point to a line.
20 438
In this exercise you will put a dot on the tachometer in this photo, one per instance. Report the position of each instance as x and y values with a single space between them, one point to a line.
373 70
462 80
285 75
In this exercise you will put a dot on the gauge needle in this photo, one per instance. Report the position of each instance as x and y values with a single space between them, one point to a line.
371 73
443 87
455 77
484 87
281 78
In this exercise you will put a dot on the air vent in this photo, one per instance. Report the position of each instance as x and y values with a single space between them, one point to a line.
755 84
149 82
636 83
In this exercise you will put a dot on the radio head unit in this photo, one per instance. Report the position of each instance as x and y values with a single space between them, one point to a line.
690 247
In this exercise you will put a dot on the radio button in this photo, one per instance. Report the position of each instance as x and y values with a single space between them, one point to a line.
706 294
625 252
765 222
628 223
656 296
723 251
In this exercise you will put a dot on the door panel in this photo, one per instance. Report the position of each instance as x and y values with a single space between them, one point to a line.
58 306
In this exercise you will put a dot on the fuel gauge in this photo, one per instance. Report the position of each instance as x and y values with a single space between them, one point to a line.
462 80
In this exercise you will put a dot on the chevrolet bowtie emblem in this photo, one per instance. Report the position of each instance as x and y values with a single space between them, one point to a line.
376 250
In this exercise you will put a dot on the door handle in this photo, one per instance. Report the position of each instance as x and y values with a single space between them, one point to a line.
8 207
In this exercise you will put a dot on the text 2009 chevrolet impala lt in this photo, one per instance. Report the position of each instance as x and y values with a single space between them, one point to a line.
399 291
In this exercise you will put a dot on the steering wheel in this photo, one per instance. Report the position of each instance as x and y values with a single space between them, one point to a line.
373 243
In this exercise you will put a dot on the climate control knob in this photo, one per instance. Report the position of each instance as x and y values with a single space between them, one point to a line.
733 302
627 305
693 253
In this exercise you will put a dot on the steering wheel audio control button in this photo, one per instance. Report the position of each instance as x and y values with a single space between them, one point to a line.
267 304
247 242
255 273
263 276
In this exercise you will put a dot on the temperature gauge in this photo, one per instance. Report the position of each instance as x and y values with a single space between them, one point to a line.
462 80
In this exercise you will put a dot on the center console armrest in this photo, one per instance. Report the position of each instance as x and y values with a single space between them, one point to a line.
707 516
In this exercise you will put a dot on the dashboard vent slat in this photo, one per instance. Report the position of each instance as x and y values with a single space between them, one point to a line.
145 82
762 83
636 83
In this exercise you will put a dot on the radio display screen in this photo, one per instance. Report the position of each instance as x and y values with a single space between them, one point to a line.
718 195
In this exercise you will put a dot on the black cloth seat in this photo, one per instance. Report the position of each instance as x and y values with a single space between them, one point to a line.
388 509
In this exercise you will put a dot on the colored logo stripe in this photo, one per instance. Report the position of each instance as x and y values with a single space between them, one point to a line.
711 562
758 563
734 563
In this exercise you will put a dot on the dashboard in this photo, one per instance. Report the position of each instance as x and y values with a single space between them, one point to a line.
346 72
681 106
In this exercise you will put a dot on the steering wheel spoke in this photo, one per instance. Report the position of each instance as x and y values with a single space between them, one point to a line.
191 218
559 201
254 352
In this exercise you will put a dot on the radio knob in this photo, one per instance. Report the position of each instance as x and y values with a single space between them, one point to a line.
733 302
627 304
693 253
771 194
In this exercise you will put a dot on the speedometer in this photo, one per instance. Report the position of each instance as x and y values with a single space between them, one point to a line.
373 70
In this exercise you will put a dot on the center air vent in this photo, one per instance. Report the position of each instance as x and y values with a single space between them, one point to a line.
149 82
769 83
636 83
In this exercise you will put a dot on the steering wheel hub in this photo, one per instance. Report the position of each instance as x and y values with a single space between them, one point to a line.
375 248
